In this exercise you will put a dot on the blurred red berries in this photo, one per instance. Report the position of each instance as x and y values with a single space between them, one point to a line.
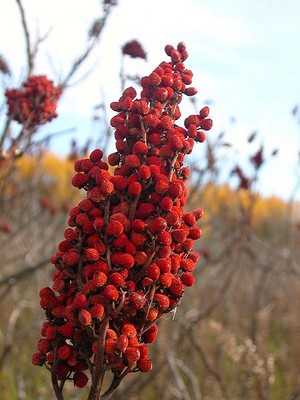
34 103
134 49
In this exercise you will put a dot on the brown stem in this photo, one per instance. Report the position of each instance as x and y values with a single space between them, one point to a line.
99 371
172 167
57 389
4 134
133 208
142 272
151 296
115 384
80 264
143 130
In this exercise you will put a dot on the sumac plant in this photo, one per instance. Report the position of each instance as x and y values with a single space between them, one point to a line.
127 255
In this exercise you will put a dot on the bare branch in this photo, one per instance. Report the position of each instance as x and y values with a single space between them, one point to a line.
29 52
93 39
28 270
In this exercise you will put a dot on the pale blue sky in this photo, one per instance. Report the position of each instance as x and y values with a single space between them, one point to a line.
244 54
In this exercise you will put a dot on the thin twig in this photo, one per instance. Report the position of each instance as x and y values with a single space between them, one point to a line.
98 369
29 52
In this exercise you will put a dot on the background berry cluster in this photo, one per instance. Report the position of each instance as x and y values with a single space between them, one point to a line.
35 103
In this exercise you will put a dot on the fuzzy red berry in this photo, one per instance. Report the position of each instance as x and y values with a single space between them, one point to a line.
122 342
138 300
51 332
80 379
206 124
195 233
114 228
97 311
110 346
144 365
84 317
188 279
150 334
111 293
79 180
96 155
66 330
153 271
64 352
162 300
80 300
135 189
132 355
38 359
43 346
117 279
124 260
176 288
70 258
129 330
99 279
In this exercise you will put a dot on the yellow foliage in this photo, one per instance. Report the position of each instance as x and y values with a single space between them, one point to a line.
222 201
267 210
53 173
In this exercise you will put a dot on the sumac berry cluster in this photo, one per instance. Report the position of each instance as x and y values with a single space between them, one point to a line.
127 254
35 103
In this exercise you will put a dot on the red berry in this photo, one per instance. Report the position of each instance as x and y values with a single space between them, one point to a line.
158 225
99 279
79 180
150 334
97 311
176 288
80 300
162 94
70 258
80 379
138 300
122 342
140 148
188 279
129 330
190 91
110 346
144 365
111 293
64 352
132 355
96 155
51 332
114 228
84 317
124 260
135 189
38 359
206 124
162 300
66 330
43 346
153 271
